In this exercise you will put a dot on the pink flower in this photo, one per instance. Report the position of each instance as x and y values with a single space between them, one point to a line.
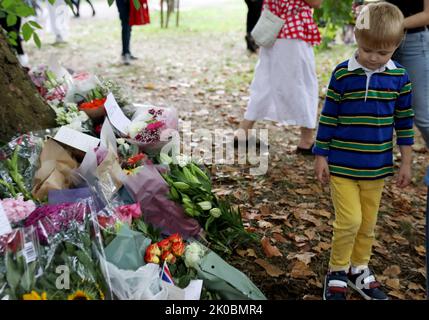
155 126
17 209
129 212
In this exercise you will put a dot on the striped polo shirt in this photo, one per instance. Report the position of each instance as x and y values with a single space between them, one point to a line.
362 110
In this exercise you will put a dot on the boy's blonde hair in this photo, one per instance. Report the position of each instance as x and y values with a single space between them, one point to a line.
383 27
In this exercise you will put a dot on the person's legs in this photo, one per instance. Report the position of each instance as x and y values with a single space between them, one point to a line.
414 56
124 12
307 138
345 195
370 196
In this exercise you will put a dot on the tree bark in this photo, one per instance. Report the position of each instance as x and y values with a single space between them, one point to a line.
21 107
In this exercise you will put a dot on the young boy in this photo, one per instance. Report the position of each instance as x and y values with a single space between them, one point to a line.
369 97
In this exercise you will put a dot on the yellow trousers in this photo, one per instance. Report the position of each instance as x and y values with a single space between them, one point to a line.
356 204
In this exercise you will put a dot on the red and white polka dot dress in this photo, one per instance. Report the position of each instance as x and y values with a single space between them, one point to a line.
299 20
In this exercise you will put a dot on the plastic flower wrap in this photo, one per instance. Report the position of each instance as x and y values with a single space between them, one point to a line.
17 209
18 164
50 219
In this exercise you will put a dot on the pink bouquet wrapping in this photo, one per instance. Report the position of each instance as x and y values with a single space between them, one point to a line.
149 189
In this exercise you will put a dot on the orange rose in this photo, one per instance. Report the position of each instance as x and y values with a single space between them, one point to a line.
175 238
164 245
169 257
178 248
153 249
151 258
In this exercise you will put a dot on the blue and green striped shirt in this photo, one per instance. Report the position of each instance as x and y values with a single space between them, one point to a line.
358 119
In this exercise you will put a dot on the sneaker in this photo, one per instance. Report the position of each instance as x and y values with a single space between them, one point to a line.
126 59
133 57
365 284
335 286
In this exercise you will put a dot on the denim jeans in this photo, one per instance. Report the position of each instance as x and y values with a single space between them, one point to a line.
124 15
413 54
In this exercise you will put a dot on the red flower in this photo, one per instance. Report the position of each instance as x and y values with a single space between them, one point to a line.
164 245
135 159
175 238
94 104
178 248
105 221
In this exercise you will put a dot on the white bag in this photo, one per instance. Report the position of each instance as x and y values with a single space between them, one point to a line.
267 29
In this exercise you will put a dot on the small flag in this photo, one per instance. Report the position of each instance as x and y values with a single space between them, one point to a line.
165 274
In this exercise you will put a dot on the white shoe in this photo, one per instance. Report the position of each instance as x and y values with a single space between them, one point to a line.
23 59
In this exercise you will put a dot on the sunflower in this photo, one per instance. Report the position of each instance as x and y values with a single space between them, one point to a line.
35 296
79 295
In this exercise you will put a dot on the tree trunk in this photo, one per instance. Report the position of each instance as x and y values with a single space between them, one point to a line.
21 107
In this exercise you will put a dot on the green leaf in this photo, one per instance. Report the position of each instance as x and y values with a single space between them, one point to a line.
7 3
110 2
35 25
37 40
51 1
11 20
27 31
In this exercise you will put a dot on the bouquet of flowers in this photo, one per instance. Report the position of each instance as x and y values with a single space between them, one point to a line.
18 163
149 127
191 187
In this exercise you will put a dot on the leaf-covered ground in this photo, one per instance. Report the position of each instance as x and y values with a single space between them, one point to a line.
203 70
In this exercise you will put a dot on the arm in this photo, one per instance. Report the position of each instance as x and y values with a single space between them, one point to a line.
403 118
314 3
419 19
327 127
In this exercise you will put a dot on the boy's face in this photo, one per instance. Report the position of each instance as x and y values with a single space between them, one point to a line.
373 58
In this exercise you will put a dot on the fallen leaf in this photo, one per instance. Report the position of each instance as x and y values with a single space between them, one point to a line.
421 250
392 271
278 237
303 257
301 271
393 283
311 297
396 294
264 224
265 210
251 253
305 192
310 233
415 286
241 253
270 250
401 240
310 218
323 213
273 271
322 246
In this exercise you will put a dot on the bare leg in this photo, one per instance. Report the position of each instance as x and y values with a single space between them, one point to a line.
307 139
246 125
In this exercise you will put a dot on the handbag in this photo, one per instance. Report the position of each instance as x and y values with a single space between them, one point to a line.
267 28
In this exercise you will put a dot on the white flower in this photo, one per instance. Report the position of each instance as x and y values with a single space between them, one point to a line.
183 160
120 141
193 254
135 127
76 124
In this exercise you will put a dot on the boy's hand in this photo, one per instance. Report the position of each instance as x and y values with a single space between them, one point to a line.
322 169
404 176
